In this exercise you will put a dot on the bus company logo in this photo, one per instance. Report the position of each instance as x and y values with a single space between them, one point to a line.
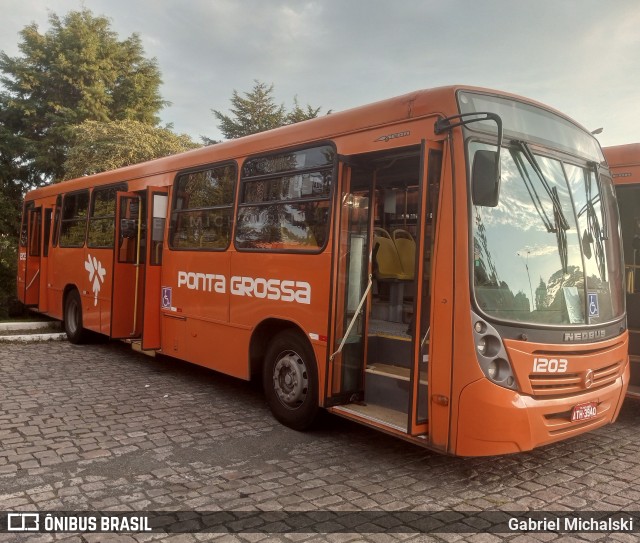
389 137
588 379
252 287
96 275
584 336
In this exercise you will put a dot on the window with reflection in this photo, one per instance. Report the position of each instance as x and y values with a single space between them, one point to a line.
284 202
102 217
35 220
203 209
628 197
24 229
56 221
547 252
74 219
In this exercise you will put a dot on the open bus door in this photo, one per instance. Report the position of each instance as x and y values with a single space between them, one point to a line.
156 219
345 379
43 304
128 266
32 265
379 368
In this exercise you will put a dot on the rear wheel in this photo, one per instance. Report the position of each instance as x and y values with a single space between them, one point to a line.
290 380
73 317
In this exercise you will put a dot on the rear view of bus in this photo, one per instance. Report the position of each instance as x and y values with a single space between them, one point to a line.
547 308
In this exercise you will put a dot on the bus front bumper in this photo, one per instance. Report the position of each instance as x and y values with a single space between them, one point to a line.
494 420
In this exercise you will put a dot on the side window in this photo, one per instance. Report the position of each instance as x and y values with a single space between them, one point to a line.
35 218
102 217
47 231
24 230
284 201
56 221
74 219
203 209
629 206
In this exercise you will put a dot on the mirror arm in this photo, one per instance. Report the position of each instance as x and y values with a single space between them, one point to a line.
445 124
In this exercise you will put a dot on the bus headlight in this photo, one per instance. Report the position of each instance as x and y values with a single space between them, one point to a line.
491 354
482 346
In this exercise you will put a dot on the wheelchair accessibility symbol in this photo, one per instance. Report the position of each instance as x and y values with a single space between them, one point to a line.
594 310
166 297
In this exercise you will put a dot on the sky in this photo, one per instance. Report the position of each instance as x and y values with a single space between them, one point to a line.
578 56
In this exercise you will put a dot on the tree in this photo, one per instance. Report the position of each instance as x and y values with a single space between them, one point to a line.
10 211
298 114
78 70
97 147
257 112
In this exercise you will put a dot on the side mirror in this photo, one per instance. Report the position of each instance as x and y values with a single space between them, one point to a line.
485 178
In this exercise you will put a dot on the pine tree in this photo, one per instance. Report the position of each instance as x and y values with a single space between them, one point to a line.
257 112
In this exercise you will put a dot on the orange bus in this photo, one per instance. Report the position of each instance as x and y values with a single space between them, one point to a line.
624 161
417 265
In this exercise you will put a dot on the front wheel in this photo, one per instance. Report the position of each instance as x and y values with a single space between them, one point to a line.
290 380
73 317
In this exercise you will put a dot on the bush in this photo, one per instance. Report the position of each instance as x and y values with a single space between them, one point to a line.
9 305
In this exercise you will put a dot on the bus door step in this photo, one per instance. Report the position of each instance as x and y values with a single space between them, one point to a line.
137 346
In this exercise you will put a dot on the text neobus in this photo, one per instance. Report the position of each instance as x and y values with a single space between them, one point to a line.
257 287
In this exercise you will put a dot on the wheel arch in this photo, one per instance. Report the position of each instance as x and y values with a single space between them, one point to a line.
262 335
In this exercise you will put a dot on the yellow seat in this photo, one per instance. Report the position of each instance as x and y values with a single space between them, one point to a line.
388 264
406 247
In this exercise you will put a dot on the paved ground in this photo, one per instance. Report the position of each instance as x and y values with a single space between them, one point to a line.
100 427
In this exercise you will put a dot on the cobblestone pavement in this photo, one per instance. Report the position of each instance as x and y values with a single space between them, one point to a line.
100 427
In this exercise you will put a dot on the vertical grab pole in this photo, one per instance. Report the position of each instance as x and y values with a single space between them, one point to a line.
138 237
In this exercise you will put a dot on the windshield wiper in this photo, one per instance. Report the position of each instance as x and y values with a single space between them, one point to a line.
533 192
561 238
559 216
596 233
604 231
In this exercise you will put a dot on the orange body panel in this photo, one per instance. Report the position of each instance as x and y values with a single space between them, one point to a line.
487 427
624 161
441 348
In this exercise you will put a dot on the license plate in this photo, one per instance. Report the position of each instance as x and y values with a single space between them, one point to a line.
584 411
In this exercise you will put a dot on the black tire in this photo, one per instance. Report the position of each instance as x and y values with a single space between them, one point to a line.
290 380
73 318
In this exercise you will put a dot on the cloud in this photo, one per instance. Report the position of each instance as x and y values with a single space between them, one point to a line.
575 55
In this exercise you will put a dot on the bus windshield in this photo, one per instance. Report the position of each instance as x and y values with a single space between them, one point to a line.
549 252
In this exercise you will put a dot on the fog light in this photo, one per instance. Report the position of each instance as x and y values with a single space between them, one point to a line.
492 369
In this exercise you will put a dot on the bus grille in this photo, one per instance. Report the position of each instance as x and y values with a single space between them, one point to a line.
573 383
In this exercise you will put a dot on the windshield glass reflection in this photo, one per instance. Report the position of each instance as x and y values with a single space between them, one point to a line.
533 251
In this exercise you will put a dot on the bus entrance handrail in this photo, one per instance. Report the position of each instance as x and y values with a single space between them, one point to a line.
353 319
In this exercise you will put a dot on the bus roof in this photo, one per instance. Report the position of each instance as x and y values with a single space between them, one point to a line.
623 155
440 100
